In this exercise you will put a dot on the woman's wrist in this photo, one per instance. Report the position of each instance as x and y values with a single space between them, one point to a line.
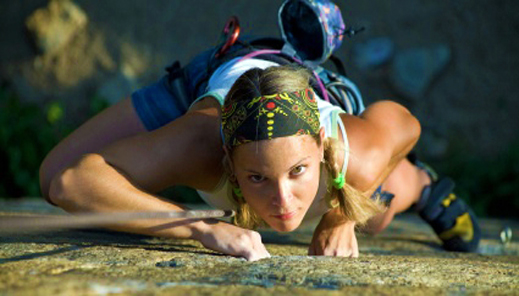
201 228
335 217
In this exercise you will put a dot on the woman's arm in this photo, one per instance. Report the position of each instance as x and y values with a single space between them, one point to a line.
118 179
334 237
382 136
117 122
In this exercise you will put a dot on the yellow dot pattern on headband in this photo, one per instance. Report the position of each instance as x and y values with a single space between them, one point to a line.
271 106
270 124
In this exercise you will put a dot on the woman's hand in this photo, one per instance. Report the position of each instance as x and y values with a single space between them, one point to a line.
334 238
233 240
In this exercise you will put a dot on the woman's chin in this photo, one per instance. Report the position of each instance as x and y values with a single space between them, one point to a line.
284 226
286 222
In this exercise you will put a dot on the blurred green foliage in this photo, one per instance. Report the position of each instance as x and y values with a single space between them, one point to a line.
98 104
490 185
28 131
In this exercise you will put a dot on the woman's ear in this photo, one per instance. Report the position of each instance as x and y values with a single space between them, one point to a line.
227 160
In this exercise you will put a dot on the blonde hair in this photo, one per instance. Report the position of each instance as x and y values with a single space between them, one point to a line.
354 205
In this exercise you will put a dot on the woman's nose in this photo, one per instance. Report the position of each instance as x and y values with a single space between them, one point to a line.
282 194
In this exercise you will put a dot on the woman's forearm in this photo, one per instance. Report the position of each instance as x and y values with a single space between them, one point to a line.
92 185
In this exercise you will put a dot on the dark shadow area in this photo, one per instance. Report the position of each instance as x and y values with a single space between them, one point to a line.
85 236
41 254
278 238
80 239
430 244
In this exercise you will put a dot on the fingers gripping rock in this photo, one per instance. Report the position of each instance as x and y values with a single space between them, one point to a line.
235 241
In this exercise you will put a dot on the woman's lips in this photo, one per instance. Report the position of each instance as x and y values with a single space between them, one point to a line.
286 216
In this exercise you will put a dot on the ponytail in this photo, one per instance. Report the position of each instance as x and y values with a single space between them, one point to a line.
355 205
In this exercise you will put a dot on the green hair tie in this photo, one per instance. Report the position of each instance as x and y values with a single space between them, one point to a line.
237 191
339 182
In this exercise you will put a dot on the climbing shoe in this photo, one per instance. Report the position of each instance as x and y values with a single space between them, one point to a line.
449 216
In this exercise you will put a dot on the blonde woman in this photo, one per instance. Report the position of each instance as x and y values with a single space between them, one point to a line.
259 141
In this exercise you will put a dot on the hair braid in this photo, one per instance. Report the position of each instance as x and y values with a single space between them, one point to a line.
355 205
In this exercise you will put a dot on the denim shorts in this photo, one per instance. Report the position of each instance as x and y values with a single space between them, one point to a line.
170 97
384 196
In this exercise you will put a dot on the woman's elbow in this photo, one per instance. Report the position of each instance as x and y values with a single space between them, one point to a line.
51 167
55 189
406 125
46 175
60 187
64 188
414 127
408 122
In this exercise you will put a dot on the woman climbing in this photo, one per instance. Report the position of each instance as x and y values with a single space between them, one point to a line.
260 139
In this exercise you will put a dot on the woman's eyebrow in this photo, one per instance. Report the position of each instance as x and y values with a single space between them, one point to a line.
299 162
291 168
252 171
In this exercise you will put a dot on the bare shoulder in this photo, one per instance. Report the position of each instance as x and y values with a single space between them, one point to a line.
382 131
187 151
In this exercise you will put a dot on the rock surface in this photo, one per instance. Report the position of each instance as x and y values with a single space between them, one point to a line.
404 260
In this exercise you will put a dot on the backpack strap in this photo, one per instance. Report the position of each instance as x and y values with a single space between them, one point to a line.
335 88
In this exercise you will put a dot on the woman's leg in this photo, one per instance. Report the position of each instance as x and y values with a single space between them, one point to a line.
449 216
117 122
406 182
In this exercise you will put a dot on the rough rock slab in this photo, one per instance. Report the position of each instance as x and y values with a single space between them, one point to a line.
404 260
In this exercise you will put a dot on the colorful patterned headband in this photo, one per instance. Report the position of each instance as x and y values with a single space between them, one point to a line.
270 116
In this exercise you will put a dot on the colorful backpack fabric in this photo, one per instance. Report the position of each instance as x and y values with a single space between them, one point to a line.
317 20
299 21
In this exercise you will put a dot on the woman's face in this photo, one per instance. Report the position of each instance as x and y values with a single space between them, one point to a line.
279 178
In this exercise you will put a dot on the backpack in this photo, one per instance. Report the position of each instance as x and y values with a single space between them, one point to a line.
323 24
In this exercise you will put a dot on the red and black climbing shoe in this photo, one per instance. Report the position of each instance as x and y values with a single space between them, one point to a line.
450 217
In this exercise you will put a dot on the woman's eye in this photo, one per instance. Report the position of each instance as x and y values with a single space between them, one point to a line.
256 178
299 170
